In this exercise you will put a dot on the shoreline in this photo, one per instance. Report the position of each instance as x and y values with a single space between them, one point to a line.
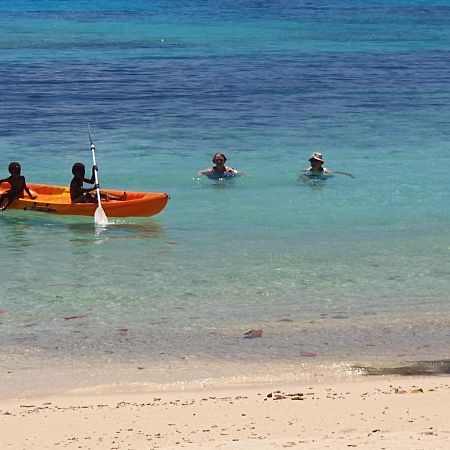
31 376
365 412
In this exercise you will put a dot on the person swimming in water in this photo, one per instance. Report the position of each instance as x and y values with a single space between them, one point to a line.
317 167
80 194
317 170
18 186
219 169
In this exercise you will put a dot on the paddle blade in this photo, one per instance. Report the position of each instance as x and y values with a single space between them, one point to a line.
100 217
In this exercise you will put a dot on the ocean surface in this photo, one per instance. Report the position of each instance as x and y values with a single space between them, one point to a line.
336 273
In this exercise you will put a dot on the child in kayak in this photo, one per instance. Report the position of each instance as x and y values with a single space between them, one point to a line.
79 194
18 186
219 169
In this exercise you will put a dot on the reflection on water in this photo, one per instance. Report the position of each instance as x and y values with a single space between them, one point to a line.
216 182
15 234
148 229
314 182
20 230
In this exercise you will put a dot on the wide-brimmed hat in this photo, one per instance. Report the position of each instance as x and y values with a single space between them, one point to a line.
317 156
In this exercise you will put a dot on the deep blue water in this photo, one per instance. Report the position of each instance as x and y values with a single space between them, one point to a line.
353 269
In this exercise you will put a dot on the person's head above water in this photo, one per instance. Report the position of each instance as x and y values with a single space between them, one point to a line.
219 168
78 169
14 168
316 157
219 158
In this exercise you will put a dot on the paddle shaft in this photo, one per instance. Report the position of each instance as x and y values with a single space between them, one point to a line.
100 217
99 201
345 173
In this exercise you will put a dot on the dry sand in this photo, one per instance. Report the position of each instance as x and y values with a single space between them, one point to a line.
370 413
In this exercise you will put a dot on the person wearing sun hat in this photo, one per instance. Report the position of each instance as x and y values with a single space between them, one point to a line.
317 167
317 170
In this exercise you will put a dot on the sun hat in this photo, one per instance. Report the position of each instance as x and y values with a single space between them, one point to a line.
317 156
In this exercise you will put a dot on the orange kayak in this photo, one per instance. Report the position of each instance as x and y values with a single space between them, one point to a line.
56 200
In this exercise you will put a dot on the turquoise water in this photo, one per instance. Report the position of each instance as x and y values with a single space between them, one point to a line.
351 269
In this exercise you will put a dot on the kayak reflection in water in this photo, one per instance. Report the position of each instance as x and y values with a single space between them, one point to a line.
219 170
80 194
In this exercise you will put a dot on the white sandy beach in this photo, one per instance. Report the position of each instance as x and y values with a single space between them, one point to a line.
369 413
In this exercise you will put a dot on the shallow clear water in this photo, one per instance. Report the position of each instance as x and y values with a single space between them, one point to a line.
349 269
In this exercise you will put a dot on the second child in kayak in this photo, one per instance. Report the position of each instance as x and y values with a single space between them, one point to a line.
80 194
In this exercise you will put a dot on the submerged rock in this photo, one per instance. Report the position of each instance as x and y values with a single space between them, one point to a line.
437 367
253 334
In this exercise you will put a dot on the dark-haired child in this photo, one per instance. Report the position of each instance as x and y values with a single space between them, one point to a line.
18 186
80 194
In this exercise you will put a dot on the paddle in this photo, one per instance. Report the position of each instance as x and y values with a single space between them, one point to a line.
345 173
100 217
